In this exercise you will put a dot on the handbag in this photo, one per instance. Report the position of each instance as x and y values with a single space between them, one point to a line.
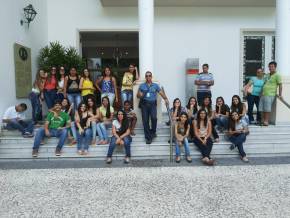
248 89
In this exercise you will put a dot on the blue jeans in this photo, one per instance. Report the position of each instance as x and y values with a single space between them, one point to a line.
102 131
59 96
126 95
202 95
21 125
149 110
36 107
222 122
84 139
94 129
74 98
127 142
186 148
253 100
59 133
49 97
238 140
74 130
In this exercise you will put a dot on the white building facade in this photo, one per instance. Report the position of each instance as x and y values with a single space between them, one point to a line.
214 31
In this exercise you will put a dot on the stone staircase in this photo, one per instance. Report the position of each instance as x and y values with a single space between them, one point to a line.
262 141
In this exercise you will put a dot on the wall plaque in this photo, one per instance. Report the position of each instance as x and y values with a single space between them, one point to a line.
23 78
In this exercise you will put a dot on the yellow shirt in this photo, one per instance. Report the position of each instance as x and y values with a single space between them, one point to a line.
87 86
127 82
103 111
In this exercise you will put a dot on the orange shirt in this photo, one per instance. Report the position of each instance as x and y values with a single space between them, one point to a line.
50 85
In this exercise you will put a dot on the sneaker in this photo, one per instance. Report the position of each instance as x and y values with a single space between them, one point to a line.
109 160
80 152
85 152
57 152
126 160
245 159
34 152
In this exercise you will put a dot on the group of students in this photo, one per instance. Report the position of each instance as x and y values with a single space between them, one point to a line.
199 123
73 111
58 85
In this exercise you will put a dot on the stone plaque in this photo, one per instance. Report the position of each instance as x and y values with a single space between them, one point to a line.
22 61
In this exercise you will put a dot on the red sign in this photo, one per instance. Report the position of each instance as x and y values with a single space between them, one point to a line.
192 71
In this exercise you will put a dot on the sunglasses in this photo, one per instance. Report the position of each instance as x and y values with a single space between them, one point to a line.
148 76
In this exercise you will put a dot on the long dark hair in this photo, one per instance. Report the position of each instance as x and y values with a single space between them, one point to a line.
186 122
224 106
198 119
49 75
68 104
134 72
108 112
124 123
83 74
179 109
58 76
239 107
209 107
94 107
79 108
195 106
232 122
104 72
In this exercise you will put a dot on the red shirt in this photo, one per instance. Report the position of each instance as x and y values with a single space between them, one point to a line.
50 85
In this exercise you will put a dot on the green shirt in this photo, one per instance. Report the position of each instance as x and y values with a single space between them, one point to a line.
271 84
57 122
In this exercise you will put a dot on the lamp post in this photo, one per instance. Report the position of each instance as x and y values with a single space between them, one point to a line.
29 14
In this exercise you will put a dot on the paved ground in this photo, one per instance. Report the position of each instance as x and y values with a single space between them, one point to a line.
221 191
91 163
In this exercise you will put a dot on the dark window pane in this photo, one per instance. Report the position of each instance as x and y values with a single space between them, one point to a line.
254 49
251 68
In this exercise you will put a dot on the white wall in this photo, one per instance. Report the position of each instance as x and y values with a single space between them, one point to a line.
11 12
211 34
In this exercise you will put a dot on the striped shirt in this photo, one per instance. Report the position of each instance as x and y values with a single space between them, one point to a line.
204 77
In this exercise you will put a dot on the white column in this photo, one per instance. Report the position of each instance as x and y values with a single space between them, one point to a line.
283 36
146 29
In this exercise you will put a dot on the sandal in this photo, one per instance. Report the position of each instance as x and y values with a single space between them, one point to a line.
188 159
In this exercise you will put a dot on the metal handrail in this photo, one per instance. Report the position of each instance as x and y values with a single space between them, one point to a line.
171 130
171 134
284 102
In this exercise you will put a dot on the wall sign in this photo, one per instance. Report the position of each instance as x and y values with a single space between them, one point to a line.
23 78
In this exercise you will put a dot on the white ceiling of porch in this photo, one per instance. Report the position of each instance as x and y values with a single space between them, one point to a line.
197 3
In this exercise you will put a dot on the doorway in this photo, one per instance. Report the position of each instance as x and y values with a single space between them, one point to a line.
115 49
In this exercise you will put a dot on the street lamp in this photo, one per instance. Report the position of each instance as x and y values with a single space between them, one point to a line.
29 14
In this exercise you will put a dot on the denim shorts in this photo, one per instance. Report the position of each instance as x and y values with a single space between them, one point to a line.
266 103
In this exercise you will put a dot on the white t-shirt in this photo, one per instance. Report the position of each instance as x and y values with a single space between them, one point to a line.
11 113
117 125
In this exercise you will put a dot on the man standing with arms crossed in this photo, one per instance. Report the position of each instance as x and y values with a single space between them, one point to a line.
204 81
